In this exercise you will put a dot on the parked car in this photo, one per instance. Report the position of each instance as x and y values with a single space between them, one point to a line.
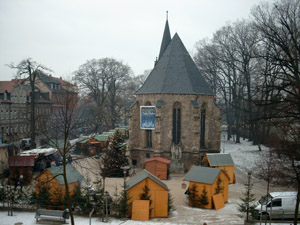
277 205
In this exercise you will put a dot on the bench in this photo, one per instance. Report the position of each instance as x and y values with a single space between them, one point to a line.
63 215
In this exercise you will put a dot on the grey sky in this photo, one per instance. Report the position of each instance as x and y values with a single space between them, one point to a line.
63 34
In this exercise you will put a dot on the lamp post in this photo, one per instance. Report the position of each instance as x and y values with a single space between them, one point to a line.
125 168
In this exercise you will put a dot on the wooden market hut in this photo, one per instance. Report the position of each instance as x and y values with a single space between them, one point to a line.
222 161
209 179
52 178
158 166
157 189
20 165
103 140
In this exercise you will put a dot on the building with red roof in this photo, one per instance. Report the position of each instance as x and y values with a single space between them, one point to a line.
158 166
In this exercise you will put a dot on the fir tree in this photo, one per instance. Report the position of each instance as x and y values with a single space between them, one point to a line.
78 198
193 196
171 206
98 196
43 195
219 188
203 197
248 201
115 156
145 195
124 204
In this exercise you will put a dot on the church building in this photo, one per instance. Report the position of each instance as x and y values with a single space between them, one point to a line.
175 115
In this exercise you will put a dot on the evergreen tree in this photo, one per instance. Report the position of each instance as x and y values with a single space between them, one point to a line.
124 204
78 198
98 197
219 188
116 201
193 196
145 195
248 201
171 206
203 197
115 156
43 196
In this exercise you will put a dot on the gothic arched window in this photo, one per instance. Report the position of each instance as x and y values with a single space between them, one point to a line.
202 127
148 133
176 123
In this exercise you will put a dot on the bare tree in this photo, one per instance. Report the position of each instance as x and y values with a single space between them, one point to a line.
103 80
28 69
61 126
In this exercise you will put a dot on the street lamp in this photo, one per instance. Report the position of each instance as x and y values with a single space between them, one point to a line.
125 168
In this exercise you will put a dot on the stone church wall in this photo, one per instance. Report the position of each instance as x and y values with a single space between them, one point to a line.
191 152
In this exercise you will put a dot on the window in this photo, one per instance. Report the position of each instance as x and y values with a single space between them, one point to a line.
202 127
176 123
148 155
149 138
134 162
275 203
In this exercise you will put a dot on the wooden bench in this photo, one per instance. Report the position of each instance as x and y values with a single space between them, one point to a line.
63 215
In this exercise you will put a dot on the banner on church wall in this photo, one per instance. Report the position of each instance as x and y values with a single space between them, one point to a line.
147 114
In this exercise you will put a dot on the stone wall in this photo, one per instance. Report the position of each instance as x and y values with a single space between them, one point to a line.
190 126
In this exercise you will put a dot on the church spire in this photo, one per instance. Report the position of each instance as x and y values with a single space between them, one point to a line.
166 38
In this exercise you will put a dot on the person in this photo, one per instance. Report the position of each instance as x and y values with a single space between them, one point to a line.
16 181
69 158
108 202
187 192
21 181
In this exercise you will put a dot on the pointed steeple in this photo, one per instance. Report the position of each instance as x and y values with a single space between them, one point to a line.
175 73
166 38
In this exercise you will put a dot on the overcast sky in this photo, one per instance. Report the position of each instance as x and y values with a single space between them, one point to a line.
64 34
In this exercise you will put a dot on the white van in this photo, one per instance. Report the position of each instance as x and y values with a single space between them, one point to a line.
282 205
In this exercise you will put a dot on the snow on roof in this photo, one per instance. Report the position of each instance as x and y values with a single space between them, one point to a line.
46 151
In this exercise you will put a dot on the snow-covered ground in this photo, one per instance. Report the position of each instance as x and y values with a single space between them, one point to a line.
244 155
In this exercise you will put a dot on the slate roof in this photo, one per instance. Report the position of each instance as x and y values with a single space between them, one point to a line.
175 73
142 176
158 159
204 175
72 174
166 39
219 159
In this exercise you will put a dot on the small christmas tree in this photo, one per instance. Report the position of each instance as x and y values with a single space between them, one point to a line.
145 195
193 196
219 188
124 204
171 206
43 195
203 197
248 201
115 156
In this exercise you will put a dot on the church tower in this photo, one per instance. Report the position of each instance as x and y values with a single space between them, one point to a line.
186 122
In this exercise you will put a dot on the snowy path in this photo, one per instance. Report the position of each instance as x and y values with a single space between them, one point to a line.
244 156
